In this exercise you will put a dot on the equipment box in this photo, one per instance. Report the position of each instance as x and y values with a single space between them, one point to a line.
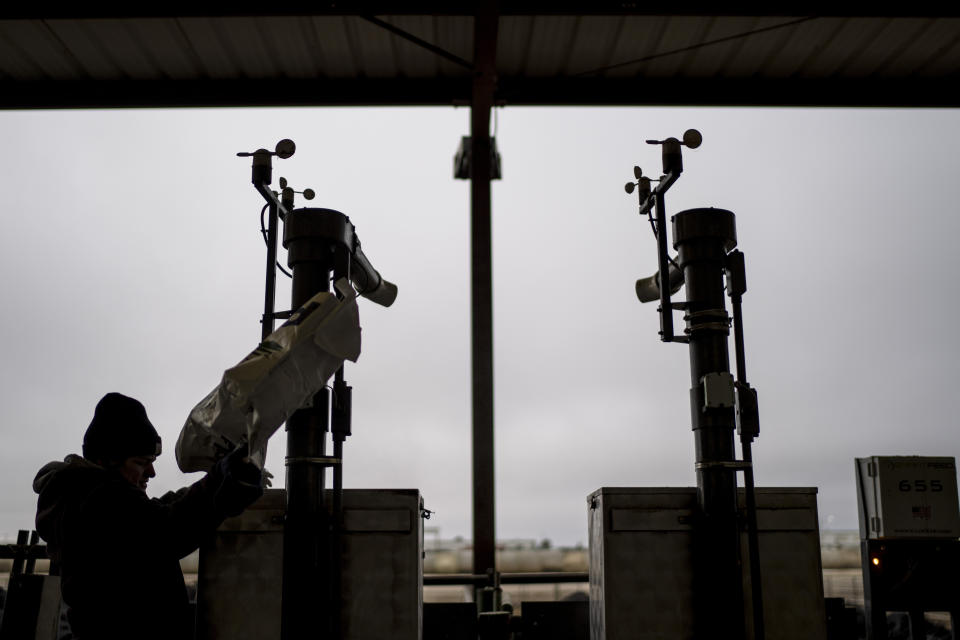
642 570
907 497
241 569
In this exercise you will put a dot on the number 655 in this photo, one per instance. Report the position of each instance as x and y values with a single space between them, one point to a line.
920 485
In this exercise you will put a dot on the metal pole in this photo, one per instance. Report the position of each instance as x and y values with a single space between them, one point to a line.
306 609
746 439
484 525
703 237
666 311
262 176
340 416
271 281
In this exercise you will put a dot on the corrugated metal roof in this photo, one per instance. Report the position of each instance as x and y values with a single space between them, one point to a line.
540 59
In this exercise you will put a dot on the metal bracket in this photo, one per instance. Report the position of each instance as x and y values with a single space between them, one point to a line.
718 390
736 465
708 320
325 461
748 418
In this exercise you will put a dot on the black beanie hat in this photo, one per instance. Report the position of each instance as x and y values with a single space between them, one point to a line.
119 430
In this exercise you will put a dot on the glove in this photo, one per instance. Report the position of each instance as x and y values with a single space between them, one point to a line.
234 482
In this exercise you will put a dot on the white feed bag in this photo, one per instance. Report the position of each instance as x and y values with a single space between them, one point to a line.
280 376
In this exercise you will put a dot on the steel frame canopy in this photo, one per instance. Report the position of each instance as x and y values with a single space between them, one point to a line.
565 52
482 54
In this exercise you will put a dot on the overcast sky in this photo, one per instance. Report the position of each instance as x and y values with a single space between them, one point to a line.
132 262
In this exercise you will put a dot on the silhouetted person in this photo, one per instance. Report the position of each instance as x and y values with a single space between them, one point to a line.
118 550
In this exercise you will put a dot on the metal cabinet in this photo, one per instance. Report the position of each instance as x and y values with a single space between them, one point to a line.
643 581
907 497
240 574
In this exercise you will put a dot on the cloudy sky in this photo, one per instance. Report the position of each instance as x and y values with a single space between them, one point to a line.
132 262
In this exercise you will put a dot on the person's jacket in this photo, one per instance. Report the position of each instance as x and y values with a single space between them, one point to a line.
118 550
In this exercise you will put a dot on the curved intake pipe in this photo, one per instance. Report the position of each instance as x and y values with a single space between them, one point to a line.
648 289
368 282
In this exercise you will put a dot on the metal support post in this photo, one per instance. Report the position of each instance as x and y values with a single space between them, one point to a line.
666 311
703 237
340 415
748 428
484 82
306 548
262 176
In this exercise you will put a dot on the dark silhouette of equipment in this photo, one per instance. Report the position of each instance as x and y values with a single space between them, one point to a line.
705 240
322 247
910 552
30 605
